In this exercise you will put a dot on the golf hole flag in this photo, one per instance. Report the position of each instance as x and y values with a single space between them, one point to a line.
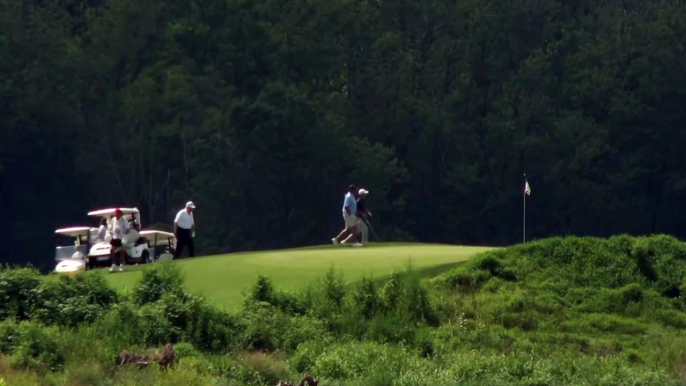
527 192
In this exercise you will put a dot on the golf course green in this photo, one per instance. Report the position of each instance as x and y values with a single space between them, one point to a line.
223 278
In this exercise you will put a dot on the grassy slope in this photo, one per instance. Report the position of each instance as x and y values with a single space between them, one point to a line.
562 311
223 278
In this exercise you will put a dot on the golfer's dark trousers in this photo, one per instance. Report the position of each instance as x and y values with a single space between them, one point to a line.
184 238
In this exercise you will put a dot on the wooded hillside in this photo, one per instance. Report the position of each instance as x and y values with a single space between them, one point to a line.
263 111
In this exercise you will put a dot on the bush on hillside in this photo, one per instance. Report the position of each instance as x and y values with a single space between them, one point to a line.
68 301
620 275
173 316
214 331
37 348
267 328
57 300
158 280
263 291
366 299
10 336
18 292
518 315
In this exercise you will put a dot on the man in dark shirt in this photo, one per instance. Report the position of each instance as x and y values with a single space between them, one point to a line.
362 215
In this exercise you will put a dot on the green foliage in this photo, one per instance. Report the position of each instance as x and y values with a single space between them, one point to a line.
161 279
213 331
366 299
438 124
10 336
334 288
268 328
557 323
263 291
18 292
38 348
71 300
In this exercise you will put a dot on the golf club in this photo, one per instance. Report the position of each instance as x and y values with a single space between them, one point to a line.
371 229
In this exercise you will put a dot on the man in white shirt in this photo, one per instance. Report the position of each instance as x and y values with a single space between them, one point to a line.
102 231
120 227
184 224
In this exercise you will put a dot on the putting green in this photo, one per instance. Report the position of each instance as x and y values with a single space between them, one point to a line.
222 279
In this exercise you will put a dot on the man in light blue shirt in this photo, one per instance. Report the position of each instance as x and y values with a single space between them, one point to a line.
349 215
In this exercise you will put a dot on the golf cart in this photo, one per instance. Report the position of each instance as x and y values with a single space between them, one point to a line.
72 248
141 246
161 245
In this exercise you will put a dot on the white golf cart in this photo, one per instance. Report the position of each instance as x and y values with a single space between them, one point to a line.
161 245
72 248
141 246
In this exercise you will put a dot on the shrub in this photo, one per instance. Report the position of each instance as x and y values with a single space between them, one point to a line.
334 288
392 291
180 309
415 302
71 300
10 336
405 296
186 350
260 325
303 359
18 292
38 348
155 328
160 279
366 299
390 329
266 328
123 323
263 291
214 331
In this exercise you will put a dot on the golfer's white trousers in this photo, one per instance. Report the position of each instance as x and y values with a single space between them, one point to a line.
362 227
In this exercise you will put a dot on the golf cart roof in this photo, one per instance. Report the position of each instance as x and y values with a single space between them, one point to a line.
156 233
73 231
110 212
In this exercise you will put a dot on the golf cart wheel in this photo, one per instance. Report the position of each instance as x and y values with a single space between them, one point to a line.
144 257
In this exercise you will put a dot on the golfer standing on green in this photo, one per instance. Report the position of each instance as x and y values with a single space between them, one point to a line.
349 211
184 224
362 217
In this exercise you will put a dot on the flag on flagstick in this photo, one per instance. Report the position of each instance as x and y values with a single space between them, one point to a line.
527 188
527 192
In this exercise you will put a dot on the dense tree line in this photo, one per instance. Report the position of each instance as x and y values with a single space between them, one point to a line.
263 111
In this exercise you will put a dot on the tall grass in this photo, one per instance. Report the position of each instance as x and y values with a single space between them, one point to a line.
554 312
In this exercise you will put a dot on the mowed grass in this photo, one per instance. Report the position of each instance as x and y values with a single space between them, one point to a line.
223 278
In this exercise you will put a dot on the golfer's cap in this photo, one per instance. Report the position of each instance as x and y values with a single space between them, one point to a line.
364 191
352 187
190 204
118 211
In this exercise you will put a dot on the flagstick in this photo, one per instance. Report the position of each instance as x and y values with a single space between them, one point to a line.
524 220
524 216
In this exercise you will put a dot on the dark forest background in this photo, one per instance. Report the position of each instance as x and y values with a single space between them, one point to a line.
263 111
